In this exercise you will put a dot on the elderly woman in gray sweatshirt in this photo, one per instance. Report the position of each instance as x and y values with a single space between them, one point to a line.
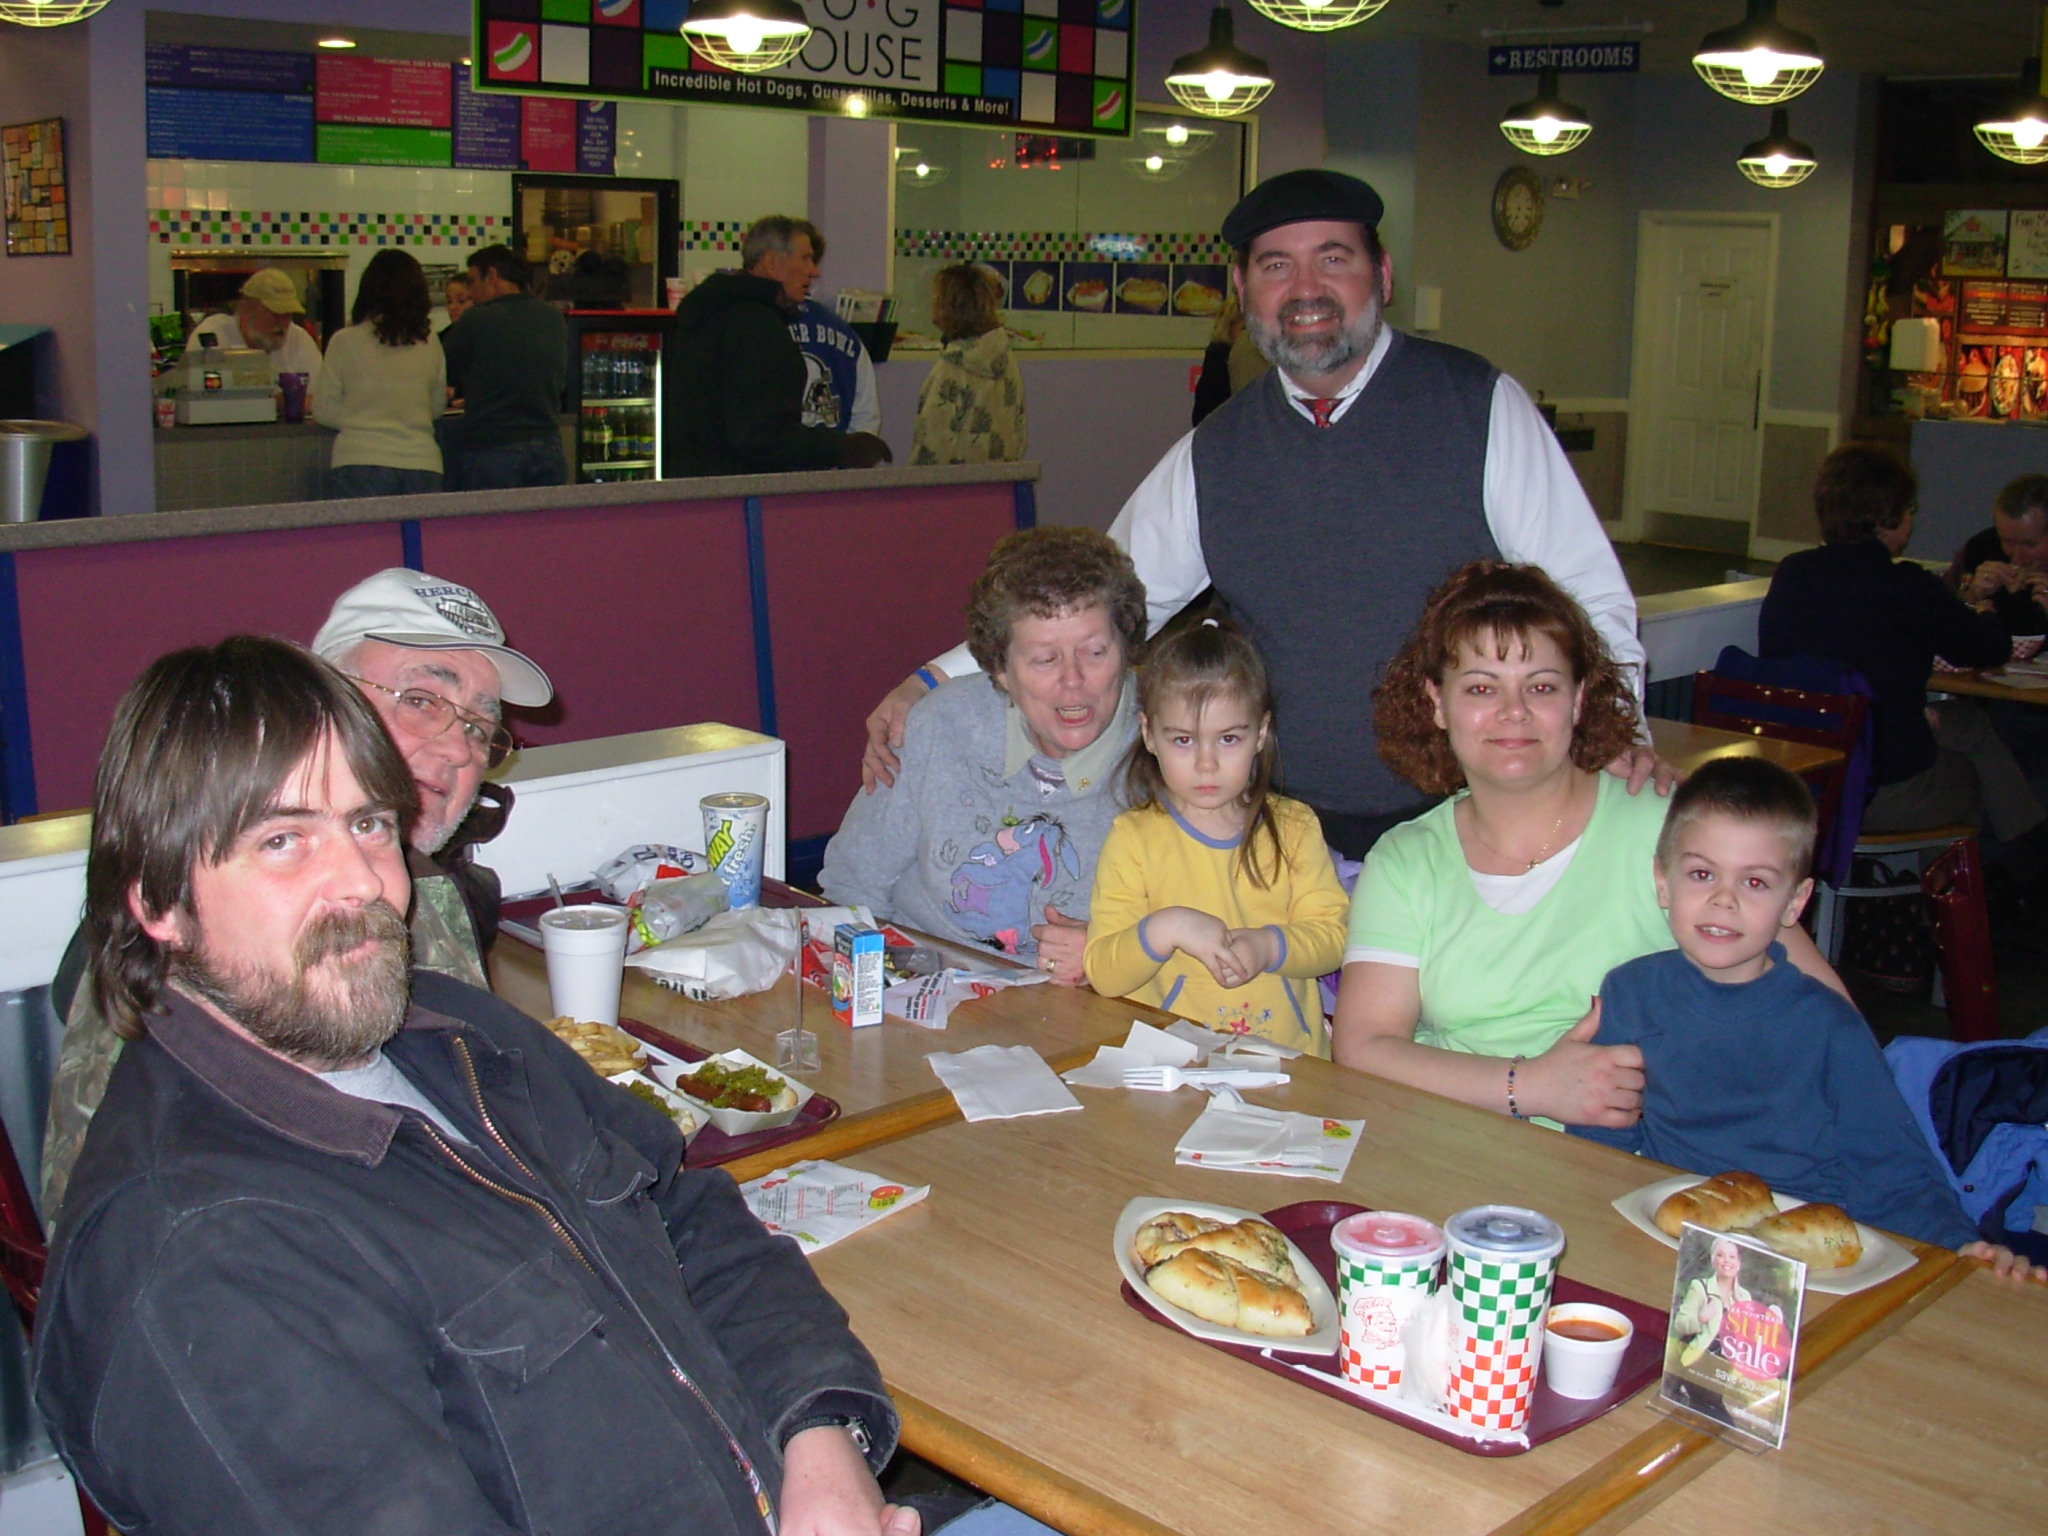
1008 779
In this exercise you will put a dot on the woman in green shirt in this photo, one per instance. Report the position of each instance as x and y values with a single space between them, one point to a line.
1481 930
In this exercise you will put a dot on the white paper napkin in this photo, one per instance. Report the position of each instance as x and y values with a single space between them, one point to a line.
929 1001
1002 1082
1210 1041
1244 1138
1143 1047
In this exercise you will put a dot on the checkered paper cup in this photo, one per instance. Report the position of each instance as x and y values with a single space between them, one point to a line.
1387 1265
1503 1259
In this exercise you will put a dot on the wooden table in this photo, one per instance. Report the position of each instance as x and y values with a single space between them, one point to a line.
1942 1425
879 1074
994 1310
1688 747
1985 685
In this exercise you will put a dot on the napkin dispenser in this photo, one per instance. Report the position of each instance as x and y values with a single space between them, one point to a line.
1916 346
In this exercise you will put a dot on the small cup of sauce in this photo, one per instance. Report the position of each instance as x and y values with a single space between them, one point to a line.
1582 1348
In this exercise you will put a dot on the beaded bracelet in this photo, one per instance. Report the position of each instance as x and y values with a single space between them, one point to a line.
1514 1108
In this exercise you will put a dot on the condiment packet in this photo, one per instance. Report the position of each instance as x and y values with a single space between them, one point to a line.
816 1203
1246 1138
930 1000
1002 1082
1143 1047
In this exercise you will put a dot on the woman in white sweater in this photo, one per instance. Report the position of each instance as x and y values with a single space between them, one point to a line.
384 385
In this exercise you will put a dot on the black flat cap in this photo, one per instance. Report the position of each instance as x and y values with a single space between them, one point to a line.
1296 197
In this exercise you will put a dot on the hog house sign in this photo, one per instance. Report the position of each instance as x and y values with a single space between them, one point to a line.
1044 65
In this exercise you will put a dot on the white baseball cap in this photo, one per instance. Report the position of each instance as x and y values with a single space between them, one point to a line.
274 289
425 613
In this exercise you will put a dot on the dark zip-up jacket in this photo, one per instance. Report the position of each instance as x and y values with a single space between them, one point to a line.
735 380
275 1307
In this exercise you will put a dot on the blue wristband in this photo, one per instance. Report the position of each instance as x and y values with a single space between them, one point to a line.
929 680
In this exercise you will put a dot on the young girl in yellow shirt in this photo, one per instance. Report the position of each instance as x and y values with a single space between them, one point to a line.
1214 897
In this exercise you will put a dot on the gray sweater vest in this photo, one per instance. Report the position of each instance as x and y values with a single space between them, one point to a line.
1324 542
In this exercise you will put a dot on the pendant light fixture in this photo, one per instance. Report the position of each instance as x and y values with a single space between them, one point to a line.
1758 61
2019 133
1317 15
1777 160
1545 125
747 35
1221 80
48 13
1176 141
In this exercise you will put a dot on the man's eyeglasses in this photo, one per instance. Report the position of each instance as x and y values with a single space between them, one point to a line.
424 713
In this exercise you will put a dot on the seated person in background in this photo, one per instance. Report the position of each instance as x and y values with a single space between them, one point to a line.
1481 929
431 658
2007 564
353 1248
1008 777
970 408
1751 1064
1215 897
1853 600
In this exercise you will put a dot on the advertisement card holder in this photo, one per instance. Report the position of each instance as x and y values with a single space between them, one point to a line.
1730 1352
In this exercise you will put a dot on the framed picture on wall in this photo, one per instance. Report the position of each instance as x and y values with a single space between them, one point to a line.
37 205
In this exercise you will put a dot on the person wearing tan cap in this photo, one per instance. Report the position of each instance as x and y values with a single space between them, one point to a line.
431 658
262 318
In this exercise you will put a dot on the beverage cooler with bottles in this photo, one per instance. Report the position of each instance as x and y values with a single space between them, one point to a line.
615 392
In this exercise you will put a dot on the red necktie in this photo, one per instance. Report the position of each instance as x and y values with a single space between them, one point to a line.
1321 409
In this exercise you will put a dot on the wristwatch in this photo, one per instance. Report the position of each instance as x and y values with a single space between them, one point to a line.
854 1427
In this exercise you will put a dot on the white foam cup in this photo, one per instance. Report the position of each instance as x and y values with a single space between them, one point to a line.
586 950
1584 1368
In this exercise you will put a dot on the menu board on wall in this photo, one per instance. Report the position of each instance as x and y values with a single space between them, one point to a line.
1996 311
255 104
2026 248
1051 64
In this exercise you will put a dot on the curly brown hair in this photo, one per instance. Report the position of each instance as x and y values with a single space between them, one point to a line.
967 301
1490 598
1045 572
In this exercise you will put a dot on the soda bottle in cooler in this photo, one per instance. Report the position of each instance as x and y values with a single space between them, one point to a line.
601 436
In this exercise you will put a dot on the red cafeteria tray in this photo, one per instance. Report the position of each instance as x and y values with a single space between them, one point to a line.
1308 1223
712 1145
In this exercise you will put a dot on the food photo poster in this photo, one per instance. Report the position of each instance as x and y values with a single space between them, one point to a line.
1729 1355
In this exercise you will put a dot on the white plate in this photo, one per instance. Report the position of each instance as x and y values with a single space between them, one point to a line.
1882 1258
1322 1306
734 1122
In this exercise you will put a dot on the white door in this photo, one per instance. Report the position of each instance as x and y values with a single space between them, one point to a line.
1702 353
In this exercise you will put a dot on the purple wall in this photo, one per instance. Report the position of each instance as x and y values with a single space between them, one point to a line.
45 73
1291 121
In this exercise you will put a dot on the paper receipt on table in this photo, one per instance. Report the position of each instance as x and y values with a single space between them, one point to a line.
817 1203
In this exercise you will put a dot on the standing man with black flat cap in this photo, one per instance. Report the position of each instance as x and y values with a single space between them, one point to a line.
1326 500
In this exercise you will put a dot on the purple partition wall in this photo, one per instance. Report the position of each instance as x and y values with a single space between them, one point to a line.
862 586
641 615
92 618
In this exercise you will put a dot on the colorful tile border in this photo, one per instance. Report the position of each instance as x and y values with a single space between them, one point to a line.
713 234
208 226
1055 245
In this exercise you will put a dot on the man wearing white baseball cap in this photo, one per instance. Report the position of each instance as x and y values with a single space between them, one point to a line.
432 658
262 319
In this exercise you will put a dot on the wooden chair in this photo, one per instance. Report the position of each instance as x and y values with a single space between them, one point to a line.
1954 884
1788 714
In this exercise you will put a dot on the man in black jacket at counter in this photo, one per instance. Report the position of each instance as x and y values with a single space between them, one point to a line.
353 1248
735 377
508 359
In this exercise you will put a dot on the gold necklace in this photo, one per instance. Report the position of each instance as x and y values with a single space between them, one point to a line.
1541 853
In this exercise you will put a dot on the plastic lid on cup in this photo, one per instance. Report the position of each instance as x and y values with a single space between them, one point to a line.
1508 1230
1387 1235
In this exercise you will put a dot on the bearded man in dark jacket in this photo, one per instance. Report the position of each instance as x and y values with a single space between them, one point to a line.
358 1249
735 377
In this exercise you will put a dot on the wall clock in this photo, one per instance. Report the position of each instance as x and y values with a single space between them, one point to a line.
1517 207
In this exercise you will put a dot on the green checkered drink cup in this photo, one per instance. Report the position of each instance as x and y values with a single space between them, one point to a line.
1387 1266
1502 1261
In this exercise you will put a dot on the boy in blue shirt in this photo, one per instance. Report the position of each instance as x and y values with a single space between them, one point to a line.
1750 1063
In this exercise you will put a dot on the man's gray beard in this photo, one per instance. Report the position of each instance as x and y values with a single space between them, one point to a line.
443 833
360 1006
1310 358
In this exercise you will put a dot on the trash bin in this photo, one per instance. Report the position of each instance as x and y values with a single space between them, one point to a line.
25 464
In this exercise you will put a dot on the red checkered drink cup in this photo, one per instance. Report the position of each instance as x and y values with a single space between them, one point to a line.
1502 1261
1387 1266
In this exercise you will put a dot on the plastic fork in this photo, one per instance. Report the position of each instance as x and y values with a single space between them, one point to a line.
1166 1079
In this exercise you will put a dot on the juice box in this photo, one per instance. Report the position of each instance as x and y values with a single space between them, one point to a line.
857 975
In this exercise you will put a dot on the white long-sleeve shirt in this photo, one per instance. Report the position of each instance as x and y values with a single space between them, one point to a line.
1534 505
